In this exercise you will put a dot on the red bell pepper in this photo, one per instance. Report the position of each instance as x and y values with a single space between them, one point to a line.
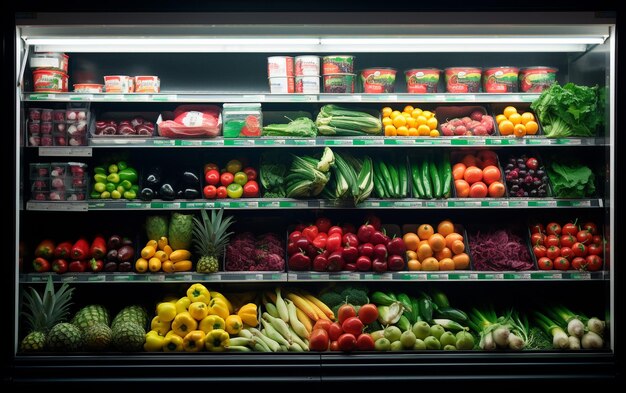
320 240
41 265
335 261
299 261
59 265
96 265
63 250
80 250
98 247
310 232
45 249
333 242
78 266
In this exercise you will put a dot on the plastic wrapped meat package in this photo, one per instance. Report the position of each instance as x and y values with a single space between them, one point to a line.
191 121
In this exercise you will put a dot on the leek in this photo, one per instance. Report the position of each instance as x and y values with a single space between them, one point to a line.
560 339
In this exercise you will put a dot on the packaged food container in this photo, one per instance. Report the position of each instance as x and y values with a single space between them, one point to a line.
463 79
147 84
59 139
58 169
279 66
45 127
51 81
46 115
58 115
119 84
307 66
338 64
339 83
242 120
34 127
422 80
536 79
40 184
46 140
308 84
34 114
282 84
50 60
378 80
56 195
38 170
500 79
88 88
34 140
76 194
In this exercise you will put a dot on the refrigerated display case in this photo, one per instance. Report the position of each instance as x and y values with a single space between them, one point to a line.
215 59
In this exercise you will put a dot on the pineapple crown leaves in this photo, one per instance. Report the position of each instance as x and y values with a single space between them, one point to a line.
43 313
210 236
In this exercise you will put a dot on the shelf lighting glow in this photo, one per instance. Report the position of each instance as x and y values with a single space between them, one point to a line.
317 44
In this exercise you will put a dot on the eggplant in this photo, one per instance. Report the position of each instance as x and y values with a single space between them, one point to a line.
127 241
153 178
110 266
191 179
146 194
112 255
114 242
166 192
124 267
180 194
125 253
191 193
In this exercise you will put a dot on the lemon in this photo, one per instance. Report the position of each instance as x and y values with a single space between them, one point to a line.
434 133
387 121
423 130
432 123
399 121
403 131
386 111
417 112
408 109
421 120
394 114
390 130
428 114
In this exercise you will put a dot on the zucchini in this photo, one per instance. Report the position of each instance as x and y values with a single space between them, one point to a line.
439 298
395 181
434 176
418 187
415 311
451 313
379 185
403 323
404 181
446 181
387 178
425 176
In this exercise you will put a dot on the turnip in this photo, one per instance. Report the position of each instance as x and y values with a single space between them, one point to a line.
456 122
476 115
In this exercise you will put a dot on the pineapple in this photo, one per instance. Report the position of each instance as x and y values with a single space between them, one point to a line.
210 238
64 337
128 336
97 337
134 313
89 316
42 314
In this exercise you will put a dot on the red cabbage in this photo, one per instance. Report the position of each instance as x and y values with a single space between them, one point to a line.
499 250
247 253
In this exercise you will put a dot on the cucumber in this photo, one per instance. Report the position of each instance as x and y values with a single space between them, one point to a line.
440 298
418 187
403 179
446 177
425 176
434 176
451 313
379 185
404 323
387 179
426 309
395 181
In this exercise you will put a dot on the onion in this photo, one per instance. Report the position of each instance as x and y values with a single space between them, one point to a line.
575 328
592 340
574 342
560 340
487 343
515 342
595 325
501 336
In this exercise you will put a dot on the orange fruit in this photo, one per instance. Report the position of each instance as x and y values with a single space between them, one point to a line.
422 242
515 118
390 130
461 261
408 109
386 112
458 170
413 132
462 188
430 264
445 228
424 251
432 123
473 174
496 189
411 122
414 265
437 242
422 120
451 238
478 190
411 255
469 160
499 119
446 264
428 114
423 130
519 130
399 121
445 253
434 133
387 121
402 131
395 114
526 117
457 246
506 127
508 111
532 127
491 173
411 241
425 231
416 112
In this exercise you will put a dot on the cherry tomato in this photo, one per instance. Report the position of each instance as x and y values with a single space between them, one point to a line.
323 224
334 331
594 249
539 251
584 236
226 178
579 249
590 227
552 240
594 263
353 325
212 177
597 239
335 229
566 252
368 313
318 341
346 311
544 263
222 192
567 240
570 229
579 263
553 229
210 192
250 172
553 252
561 263
346 342
537 238
251 189
537 228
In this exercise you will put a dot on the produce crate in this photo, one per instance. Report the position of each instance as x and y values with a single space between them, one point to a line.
420 157
448 112
117 117
516 230
506 163
458 228
458 155
599 172
521 107
389 159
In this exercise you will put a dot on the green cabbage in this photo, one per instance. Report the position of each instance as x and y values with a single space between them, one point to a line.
181 230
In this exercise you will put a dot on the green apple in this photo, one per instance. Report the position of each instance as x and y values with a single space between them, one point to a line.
447 338
241 178
407 339
421 329
382 344
464 340
396 346
419 345
115 194
437 331
234 190
449 348
393 333
432 343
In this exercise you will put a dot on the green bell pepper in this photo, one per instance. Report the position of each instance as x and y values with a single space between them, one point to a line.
100 170
100 178
113 178
126 185
94 195
110 187
99 187
129 174
105 195
122 165
113 168
130 194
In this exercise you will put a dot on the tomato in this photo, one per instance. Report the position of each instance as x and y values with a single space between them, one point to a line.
240 178
561 263
226 178
335 229
234 166
322 324
368 313
294 236
365 342
310 232
553 229
570 229
579 249
584 236
334 242
594 263
346 342
350 239
212 177
234 190
352 325
552 240
594 249
537 228
579 263
553 252
318 341
250 172
210 192
567 252
320 240
590 227
544 263
346 311
537 238
567 240
323 224
539 251
251 189
334 346
334 331
222 192
597 239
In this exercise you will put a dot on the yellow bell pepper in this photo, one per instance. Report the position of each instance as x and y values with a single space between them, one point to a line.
198 310
183 324
217 340
215 294
234 324
194 341
154 341
182 304
212 322
166 311
199 293
218 307
159 326
248 314
172 342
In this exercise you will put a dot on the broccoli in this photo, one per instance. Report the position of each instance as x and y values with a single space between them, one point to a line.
331 299
354 296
